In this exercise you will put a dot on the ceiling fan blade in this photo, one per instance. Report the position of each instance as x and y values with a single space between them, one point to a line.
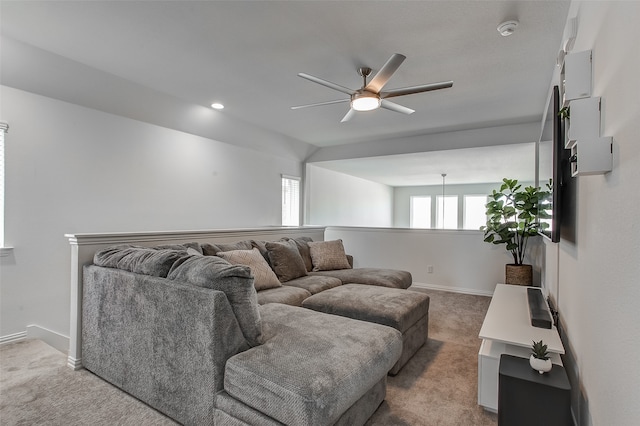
415 89
396 107
348 115
339 101
385 73
326 83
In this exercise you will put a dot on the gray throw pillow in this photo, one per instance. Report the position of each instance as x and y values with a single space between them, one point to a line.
285 260
263 275
262 248
303 248
235 281
212 249
328 255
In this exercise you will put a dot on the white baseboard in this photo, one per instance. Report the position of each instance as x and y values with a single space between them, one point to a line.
51 338
11 338
73 363
462 290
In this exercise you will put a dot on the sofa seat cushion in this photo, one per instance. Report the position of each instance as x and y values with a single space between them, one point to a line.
372 276
312 366
314 283
396 308
286 294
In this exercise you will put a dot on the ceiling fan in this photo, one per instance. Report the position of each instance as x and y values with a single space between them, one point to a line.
371 96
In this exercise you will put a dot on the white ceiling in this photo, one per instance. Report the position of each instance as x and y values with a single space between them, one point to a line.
462 166
246 54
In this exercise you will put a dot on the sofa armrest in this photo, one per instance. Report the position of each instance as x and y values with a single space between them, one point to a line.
162 341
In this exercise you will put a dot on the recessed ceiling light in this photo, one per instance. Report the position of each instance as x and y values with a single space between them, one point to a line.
217 106
507 28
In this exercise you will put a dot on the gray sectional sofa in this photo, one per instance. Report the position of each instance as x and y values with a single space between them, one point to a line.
188 333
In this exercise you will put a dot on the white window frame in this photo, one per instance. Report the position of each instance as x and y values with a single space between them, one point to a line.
290 200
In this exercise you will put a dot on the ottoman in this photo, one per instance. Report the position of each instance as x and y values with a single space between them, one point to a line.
406 311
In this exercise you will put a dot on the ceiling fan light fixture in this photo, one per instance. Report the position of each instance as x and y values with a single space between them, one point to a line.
365 101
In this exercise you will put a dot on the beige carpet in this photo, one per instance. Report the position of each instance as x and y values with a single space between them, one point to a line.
437 387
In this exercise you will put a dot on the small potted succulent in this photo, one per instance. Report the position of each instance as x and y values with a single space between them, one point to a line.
539 359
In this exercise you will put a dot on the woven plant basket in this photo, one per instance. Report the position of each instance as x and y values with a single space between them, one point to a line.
519 274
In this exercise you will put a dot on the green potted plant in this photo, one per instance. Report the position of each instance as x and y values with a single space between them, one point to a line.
513 215
565 113
539 359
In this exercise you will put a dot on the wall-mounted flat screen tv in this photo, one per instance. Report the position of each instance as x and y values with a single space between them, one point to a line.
550 152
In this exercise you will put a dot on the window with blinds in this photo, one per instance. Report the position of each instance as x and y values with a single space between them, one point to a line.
290 201
447 212
475 214
420 216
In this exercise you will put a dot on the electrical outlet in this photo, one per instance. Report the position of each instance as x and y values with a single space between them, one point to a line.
430 269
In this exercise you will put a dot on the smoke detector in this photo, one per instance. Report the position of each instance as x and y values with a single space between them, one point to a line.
507 28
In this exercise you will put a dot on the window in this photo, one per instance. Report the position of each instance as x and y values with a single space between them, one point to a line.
420 212
4 127
447 212
474 211
290 201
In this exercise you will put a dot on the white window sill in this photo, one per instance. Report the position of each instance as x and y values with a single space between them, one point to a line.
5 251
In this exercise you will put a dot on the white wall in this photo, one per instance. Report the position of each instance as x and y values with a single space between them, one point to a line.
71 169
461 260
599 288
334 198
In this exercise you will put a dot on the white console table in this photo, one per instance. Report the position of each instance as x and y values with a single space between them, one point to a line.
507 329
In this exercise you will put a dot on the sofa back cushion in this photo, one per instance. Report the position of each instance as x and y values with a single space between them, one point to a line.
286 260
194 246
263 275
212 249
140 260
235 281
